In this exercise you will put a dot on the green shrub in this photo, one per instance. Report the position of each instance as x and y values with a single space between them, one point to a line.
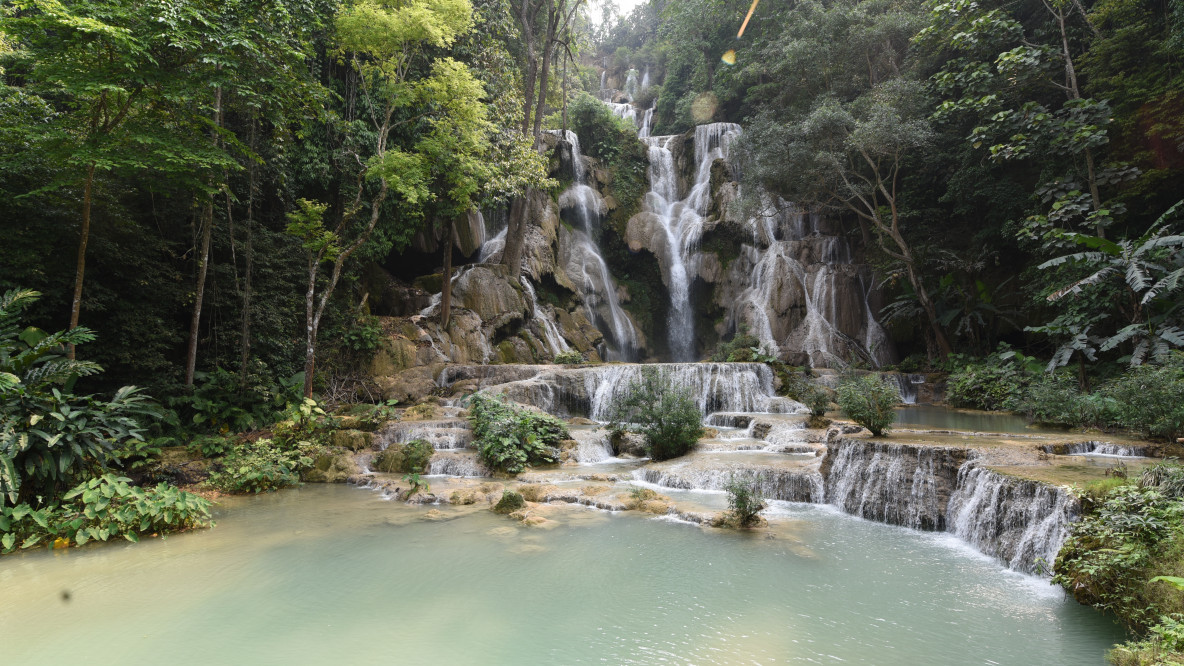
870 401
410 457
569 357
666 416
813 396
260 466
1150 398
510 502
991 384
103 507
740 349
1054 399
223 401
511 438
744 502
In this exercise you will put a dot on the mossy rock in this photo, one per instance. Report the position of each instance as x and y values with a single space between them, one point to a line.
404 458
354 440
331 468
509 503
421 412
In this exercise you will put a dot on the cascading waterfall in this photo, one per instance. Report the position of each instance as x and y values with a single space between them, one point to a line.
907 385
786 484
891 483
591 391
1022 522
1096 448
446 435
645 79
802 270
545 318
596 284
631 84
603 74
682 222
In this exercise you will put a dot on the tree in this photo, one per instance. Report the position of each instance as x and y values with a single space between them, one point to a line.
112 70
851 156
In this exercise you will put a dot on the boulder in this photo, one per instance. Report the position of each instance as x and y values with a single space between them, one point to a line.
332 468
353 440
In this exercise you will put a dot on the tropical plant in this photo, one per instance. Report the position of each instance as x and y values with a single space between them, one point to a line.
870 401
569 357
99 509
665 415
1150 268
50 438
511 438
418 485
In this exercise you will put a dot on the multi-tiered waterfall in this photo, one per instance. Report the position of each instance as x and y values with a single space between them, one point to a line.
794 283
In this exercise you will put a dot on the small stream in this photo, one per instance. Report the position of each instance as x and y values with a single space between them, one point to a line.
333 574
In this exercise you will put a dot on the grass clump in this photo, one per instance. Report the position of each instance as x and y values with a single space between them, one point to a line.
511 438
869 401
665 415
572 357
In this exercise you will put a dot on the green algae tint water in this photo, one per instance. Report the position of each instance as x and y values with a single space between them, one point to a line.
335 575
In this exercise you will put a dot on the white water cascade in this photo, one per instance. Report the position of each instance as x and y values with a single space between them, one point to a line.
586 265
545 318
1024 523
681 220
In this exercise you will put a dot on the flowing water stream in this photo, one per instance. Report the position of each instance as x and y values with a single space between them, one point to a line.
332 574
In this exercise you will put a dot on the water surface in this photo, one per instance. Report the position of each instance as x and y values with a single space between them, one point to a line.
327 575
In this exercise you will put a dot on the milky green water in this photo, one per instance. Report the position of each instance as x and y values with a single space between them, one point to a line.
334 575
945 418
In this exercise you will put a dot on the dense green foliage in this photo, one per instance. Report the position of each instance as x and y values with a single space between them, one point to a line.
96 510
50 438
744 502
870 401
665 415
260 466
511 438
1147 399
1122 556
510 502
572 357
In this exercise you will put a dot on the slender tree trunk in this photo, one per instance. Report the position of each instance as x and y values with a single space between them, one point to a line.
516 232
312 322
83 239
204 261
1074 92
202 268
446 289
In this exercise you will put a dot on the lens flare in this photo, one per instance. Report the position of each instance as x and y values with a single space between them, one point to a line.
729 57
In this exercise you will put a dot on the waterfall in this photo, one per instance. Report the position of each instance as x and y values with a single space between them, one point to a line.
449 463
603 74
906 384
645 79
546 321
777 483
647 124
593 446
445 435
897 484
1016 520
681 221
591 391
631 84
794 299
1095 448
588 268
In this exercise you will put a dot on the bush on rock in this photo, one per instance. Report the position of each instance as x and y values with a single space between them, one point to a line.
665 415
869 401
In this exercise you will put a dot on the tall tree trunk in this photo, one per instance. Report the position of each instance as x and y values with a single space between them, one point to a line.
83 239
204 262
202 268
516 232
245 332
446 289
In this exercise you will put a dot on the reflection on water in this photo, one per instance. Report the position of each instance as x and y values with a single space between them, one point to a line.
326 575
944 418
